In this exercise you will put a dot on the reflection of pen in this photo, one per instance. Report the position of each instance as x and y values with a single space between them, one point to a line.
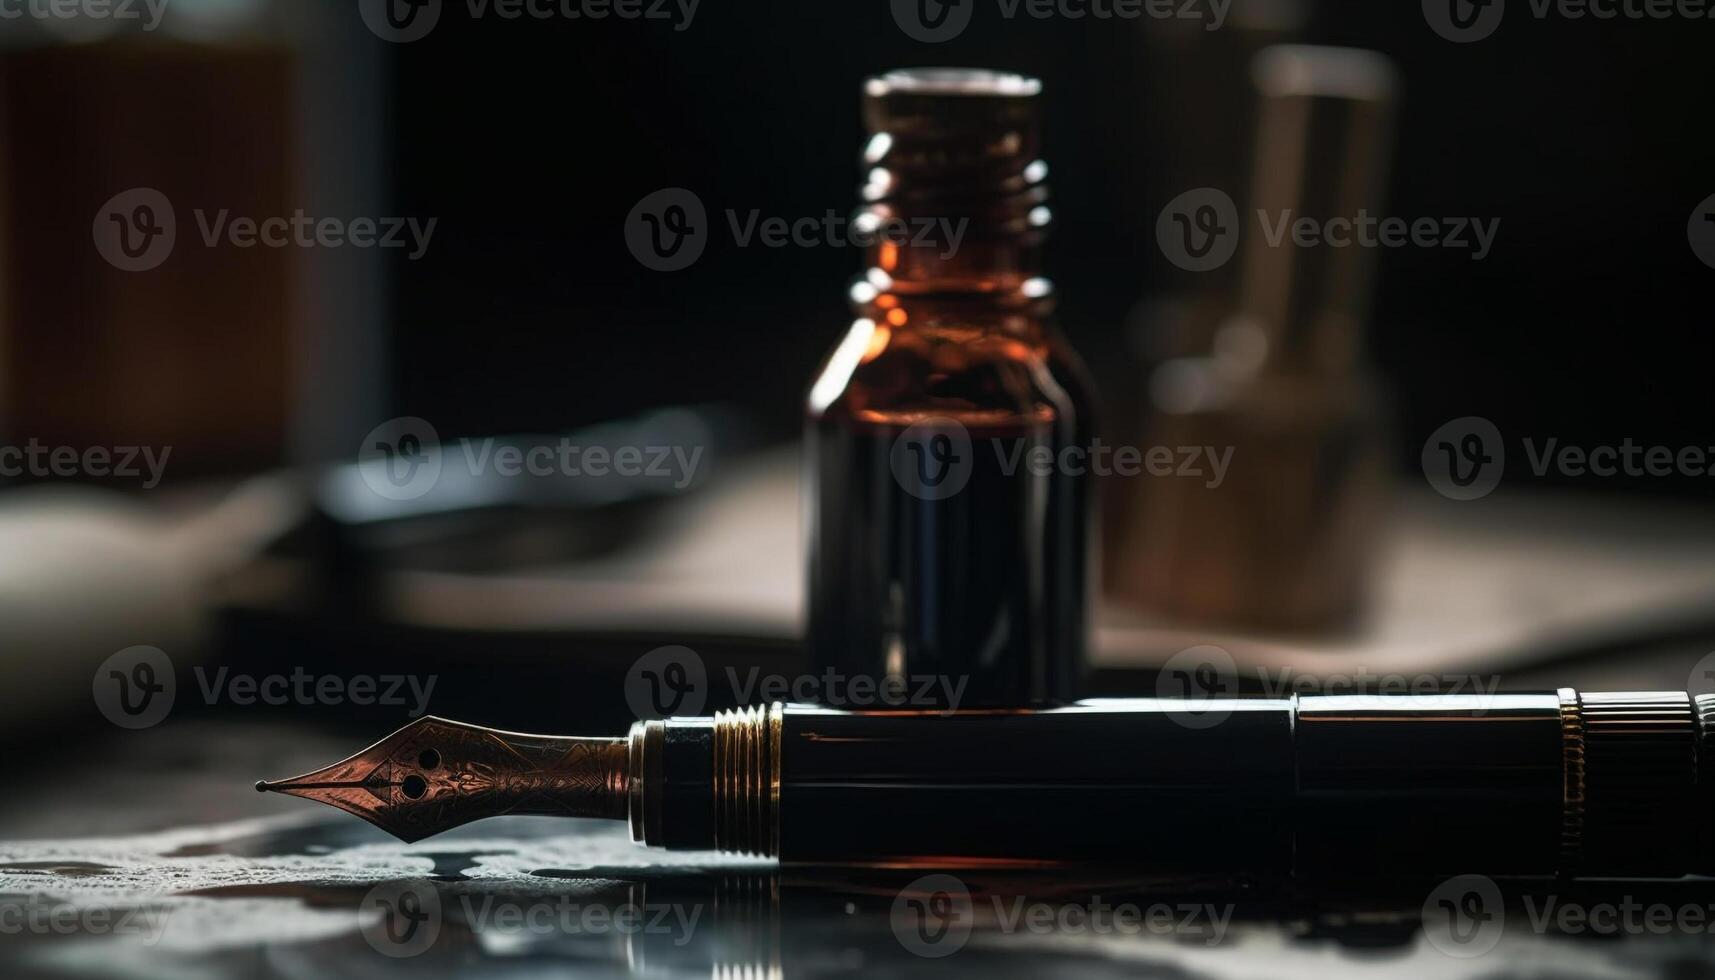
1599 784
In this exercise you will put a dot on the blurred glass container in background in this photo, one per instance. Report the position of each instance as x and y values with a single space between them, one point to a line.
1287 539
136 308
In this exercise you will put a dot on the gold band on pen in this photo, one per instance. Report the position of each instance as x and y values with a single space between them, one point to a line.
747 780
1572 763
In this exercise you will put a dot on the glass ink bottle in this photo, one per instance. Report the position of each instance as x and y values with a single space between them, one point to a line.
948 433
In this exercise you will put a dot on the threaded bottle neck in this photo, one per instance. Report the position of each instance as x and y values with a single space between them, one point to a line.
955 199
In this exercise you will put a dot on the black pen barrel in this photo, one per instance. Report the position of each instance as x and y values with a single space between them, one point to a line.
1529 784
1178 790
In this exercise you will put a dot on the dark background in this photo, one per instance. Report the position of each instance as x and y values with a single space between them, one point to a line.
531 141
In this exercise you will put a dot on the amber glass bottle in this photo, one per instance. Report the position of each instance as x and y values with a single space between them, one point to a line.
949 500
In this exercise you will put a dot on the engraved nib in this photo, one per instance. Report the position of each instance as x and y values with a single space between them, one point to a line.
434 775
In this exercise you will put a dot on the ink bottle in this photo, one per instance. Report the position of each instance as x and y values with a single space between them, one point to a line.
948 432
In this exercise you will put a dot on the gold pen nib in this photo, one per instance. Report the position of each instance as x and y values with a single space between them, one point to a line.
434 775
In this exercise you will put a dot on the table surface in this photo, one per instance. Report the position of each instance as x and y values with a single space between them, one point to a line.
147 854
153 857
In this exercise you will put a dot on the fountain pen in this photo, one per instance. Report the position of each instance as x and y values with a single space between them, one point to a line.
1558 783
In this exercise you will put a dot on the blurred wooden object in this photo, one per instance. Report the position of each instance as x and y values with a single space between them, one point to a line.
196 353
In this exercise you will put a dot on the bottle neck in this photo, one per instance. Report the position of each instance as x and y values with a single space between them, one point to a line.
955 203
